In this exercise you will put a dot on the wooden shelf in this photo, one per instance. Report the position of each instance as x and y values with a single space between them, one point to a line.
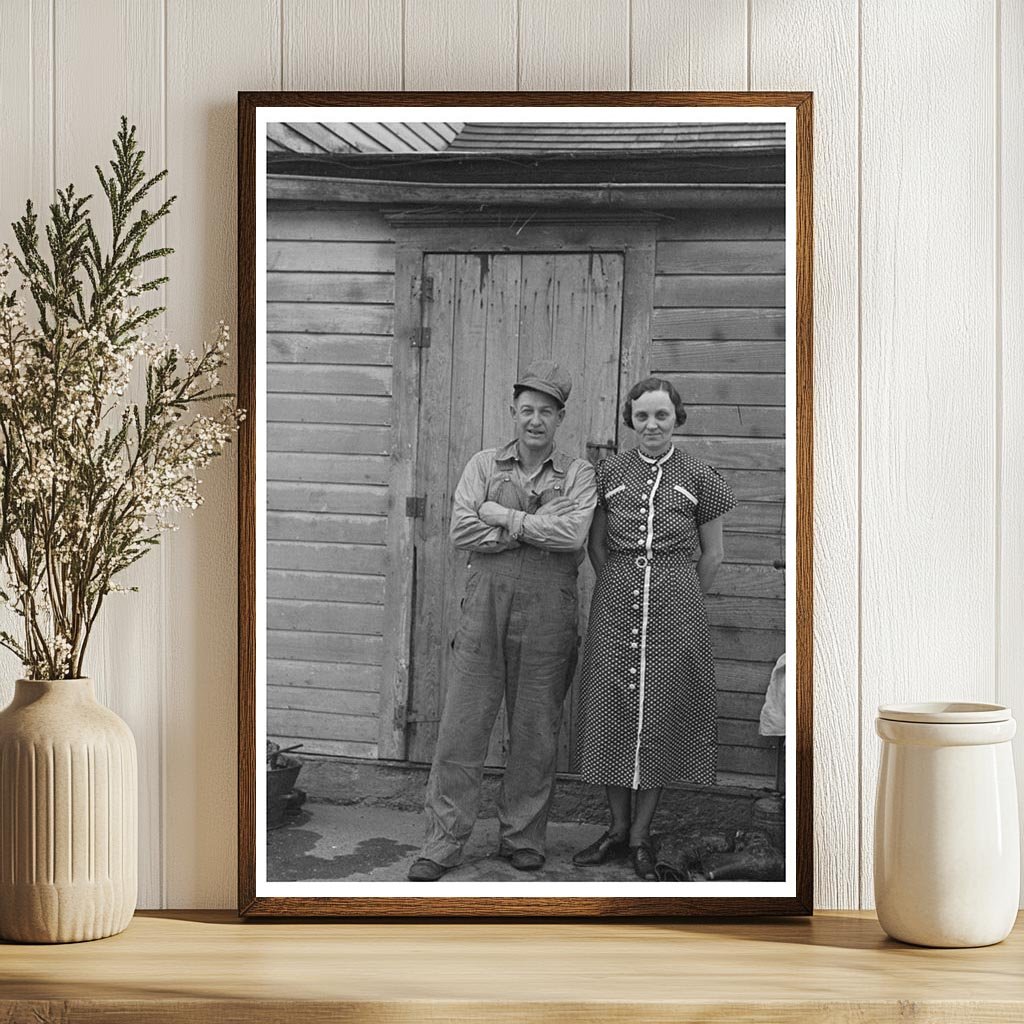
210 967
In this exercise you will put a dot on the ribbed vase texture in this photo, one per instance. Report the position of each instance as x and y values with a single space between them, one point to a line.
68 815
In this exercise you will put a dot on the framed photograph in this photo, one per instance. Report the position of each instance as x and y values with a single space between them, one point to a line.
525 502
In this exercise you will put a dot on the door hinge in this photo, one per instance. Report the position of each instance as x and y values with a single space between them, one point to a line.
423 289
421 337
416 508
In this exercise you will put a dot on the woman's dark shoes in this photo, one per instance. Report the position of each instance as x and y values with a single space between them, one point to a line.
608 847
644 862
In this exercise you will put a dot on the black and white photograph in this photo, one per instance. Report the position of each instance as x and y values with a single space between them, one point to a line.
525 487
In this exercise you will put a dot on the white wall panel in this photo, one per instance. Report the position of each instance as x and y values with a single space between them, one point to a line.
780 59
697 44
342 44
26 121
928 416
1009 226
573 44
213 51
122 657
460 44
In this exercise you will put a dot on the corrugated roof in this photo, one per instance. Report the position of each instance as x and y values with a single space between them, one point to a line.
534 137
593 137
359 137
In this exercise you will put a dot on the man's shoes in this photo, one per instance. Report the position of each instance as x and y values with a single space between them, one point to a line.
644 861
608 847
425 870
525 860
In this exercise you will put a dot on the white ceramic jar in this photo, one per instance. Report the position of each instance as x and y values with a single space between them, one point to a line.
947 847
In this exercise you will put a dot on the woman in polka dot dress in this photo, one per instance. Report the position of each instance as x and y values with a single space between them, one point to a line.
647 695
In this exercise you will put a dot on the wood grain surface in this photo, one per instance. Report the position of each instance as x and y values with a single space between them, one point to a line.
208 967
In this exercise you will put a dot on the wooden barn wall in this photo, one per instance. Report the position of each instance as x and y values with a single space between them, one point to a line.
918 325
718 334
330 316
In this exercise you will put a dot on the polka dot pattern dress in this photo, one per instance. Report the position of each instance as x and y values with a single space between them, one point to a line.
648 701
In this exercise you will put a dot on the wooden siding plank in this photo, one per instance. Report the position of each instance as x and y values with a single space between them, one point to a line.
730 420
368 257
720 290
460 44
743 676
752 612
326 674
333 647
689 356
732 733
738 453
752 761
756 484
697 45
324 468
500 372
330 748
325 617
733 257
302 286
324 701
928 329
342 41
315 222
740 707
432 480
324 526
325 586
742 644
330 317
328 379
730 389
750 581
358 498
718 324
400 565
536 316
718 225
324 557
758 517
754 548
316 725
575 44
339 439
351 349
353 410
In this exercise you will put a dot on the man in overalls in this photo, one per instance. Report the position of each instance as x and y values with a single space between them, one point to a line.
523 513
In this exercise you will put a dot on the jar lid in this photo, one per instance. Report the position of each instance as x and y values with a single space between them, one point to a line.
945 712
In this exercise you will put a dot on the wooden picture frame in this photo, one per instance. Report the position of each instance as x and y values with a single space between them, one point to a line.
519 216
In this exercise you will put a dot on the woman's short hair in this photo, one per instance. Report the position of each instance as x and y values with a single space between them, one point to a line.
653 384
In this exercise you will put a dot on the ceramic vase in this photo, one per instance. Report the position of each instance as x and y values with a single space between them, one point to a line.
947 847
68 815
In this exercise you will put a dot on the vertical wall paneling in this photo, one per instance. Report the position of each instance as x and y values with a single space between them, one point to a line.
460 44
928 372
1010 686
700 44
124 656
213 51
780 59
342 44
574 44
26 108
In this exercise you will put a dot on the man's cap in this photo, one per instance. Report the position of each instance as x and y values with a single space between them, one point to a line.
547 376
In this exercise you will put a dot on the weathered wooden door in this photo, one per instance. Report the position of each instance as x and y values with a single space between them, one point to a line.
489 315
